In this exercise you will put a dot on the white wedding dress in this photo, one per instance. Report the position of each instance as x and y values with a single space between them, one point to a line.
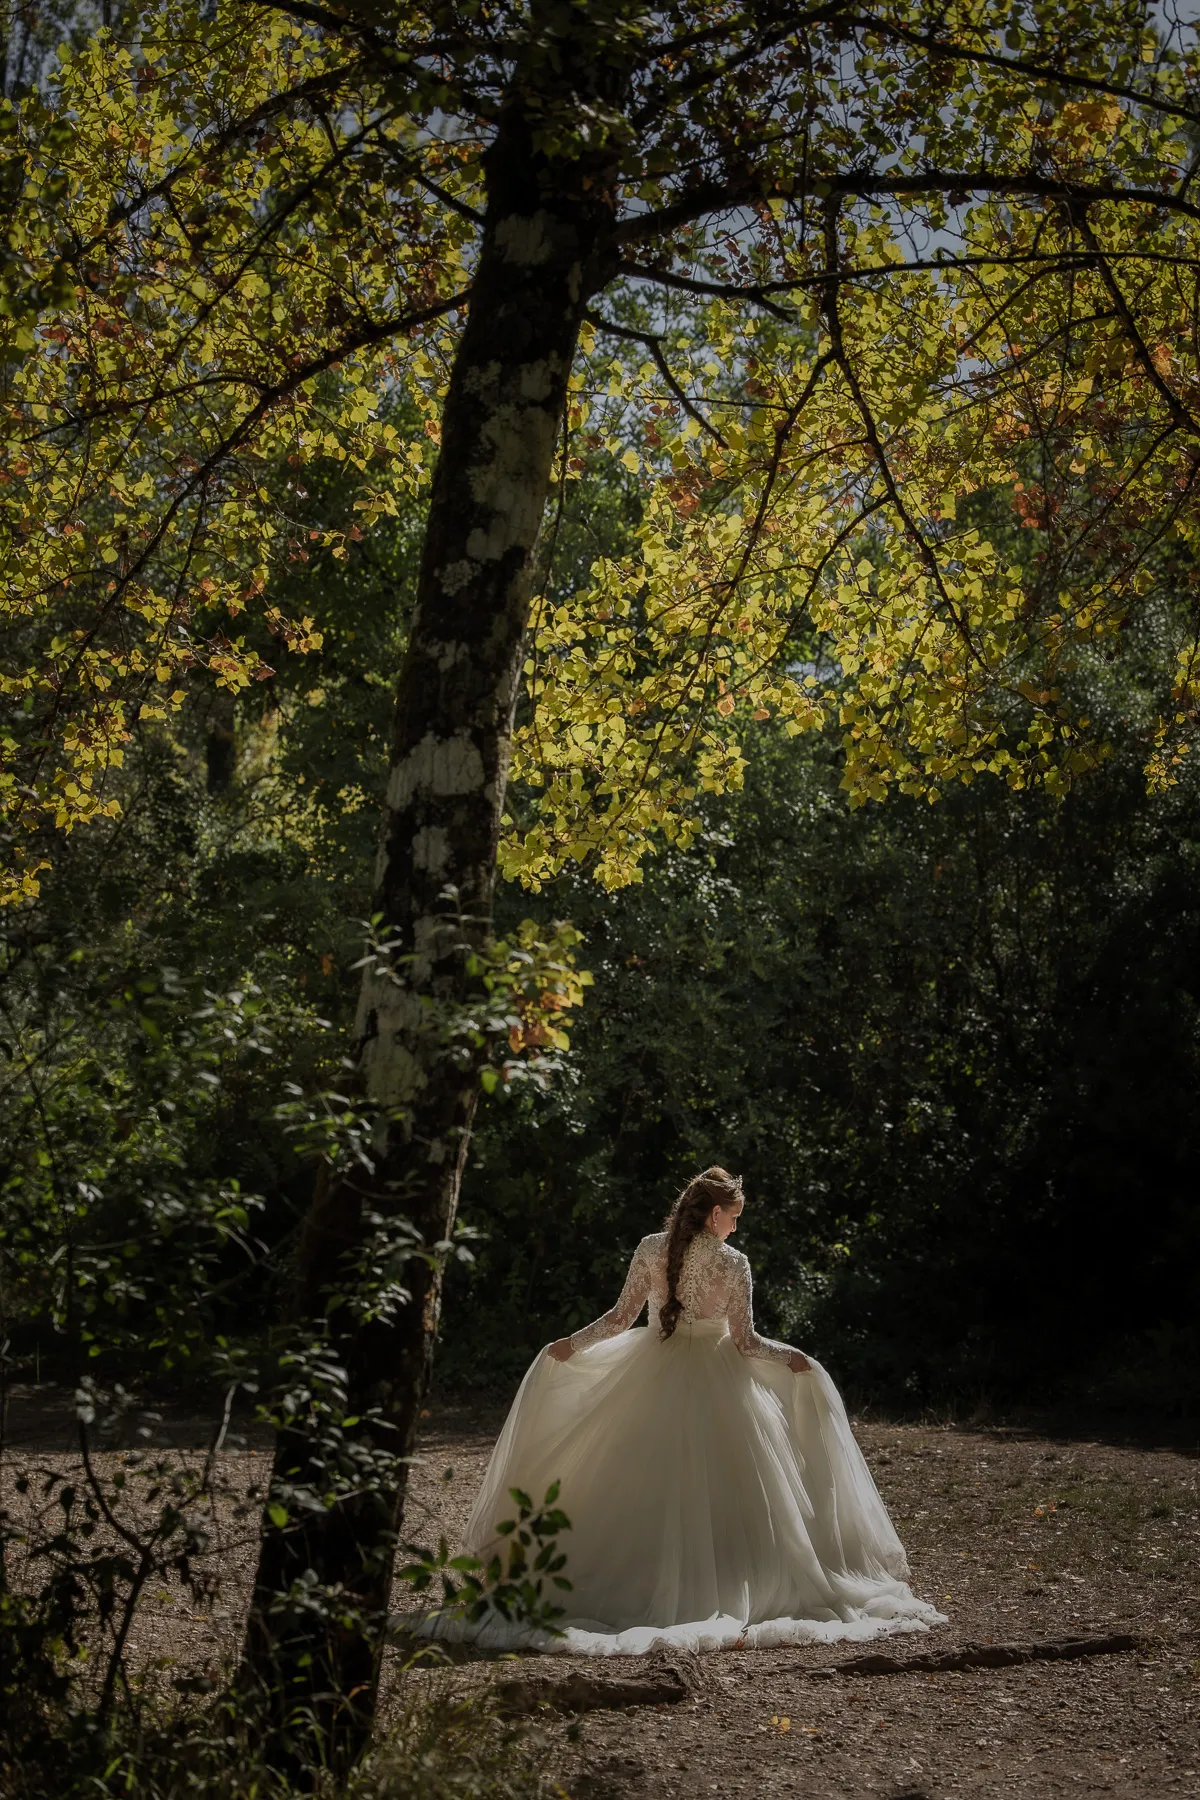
715 1497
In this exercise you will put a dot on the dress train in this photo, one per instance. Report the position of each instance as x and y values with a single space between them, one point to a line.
715 1497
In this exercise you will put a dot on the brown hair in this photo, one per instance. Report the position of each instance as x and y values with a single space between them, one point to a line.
686 1219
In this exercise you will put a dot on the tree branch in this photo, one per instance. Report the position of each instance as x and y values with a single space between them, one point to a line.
1019 65
729 586
653 343
310 14
759 292
760 45
206 148
269 397
451 200
1179 414
833 320
720 290
463 45
727 196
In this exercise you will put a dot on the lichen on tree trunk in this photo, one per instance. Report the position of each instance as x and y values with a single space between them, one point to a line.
540 255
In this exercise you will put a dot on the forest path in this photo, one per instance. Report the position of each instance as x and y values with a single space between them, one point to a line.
1015 1536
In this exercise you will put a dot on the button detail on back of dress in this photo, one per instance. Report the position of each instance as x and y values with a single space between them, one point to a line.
703 1280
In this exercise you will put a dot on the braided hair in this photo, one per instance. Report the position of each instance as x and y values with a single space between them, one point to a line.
686 1220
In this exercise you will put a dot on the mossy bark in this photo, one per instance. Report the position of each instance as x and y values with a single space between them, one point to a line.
541 254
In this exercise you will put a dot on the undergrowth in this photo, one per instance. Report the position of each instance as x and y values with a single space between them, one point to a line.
437 1747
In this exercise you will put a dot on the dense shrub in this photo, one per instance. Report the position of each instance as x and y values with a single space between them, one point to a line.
953 1049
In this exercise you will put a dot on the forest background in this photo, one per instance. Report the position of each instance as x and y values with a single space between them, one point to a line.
884 897
952 1048
950 1041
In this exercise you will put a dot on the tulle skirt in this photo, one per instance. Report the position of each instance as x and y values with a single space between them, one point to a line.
714 1499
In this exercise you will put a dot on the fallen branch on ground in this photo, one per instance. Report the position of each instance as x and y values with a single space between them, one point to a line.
983 1656
588 1693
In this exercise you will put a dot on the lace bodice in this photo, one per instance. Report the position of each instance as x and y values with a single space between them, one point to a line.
714 1283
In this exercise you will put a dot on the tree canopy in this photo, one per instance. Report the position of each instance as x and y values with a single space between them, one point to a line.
861 266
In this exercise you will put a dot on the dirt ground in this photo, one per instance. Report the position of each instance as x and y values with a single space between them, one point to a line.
1014 1534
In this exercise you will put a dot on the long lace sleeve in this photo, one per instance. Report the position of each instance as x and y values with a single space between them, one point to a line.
630 1303
741 1320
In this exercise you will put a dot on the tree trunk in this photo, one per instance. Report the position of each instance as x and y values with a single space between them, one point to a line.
539 259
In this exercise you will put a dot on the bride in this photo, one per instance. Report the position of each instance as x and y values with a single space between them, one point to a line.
715 1491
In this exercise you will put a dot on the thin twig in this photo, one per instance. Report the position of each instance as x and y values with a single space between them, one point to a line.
845 363
653 343
1179 413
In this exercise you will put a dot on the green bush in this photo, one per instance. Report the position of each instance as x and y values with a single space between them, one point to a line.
438 1745
955 1052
